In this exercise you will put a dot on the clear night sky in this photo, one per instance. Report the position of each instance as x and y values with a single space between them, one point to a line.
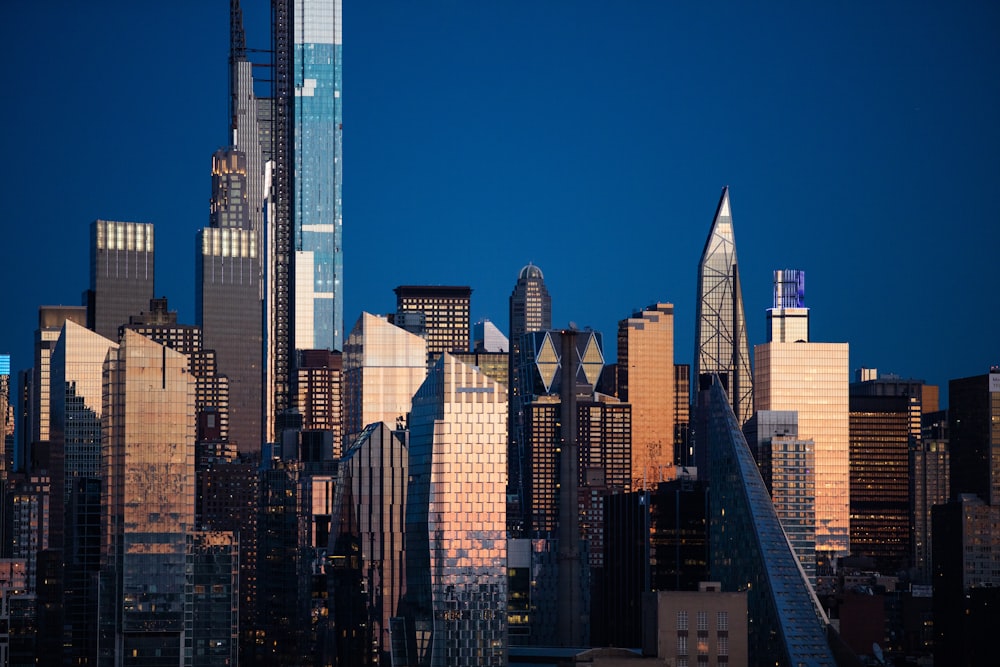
860 144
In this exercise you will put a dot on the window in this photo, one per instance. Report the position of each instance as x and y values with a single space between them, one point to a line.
703 620
722 620
682 644
682 620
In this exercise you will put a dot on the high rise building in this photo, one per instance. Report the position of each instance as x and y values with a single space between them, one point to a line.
787 466
318 394
966 560
307 127
974 434
880 482
384 366
446 312
7 404
530 310
788 320
50 323
456 543
121 274
487 338
148 505
228 295
646 380
720 341
304 129
367 543
929 471
749 550
812 379
159 324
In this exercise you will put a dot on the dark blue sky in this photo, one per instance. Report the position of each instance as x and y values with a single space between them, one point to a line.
860 144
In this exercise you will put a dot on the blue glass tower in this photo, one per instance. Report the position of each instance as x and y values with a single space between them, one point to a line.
317 125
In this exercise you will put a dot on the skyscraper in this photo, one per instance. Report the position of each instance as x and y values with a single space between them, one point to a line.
974 430
366 540
530 310
812 379
228 295
749 551
383 368
148 504
880 482
446 315
456 544
121 274
720 335
646 380
304 257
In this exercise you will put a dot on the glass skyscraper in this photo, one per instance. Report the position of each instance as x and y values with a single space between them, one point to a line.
720 342
456 543
147 458
317 216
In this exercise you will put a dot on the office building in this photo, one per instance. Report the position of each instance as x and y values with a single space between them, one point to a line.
702 627
749 551
880 482
318 395
646 379
367 544
966 560
384 366
121 274
787 467
530 310
228 295
445 312
720 343
496 365
682 415
455 606
812 379
974 435
159 324
788 320
7 405
214 598
300 133
929 473
148 505
50 323
486 337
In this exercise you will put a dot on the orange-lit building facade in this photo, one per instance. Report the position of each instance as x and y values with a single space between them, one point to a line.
456 518
646 379
813 379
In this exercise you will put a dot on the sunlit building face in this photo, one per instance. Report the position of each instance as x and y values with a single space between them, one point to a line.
456 517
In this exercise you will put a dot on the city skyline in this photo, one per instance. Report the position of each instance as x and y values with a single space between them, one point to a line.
880 127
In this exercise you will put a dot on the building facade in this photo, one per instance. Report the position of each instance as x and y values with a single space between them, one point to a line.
121 274
749 551
720 342
228 294
384 366
456 590
880 481
147 459
646 379
367 544
974 435
446 315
